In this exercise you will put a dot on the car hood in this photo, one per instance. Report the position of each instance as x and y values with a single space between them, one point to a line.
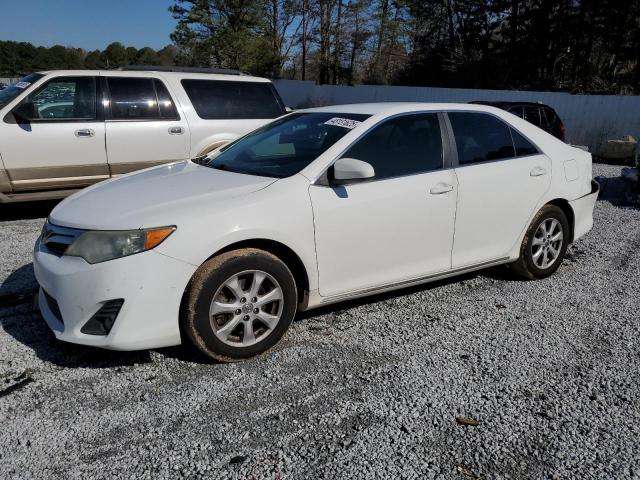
154 197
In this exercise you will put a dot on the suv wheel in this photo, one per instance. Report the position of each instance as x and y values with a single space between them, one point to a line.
239 304
544 245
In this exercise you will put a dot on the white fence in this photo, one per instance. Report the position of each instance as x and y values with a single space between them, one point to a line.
589 119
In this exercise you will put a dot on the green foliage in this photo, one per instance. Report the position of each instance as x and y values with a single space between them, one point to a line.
18 58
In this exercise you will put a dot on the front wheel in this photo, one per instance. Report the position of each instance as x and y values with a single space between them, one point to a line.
544 245
239 304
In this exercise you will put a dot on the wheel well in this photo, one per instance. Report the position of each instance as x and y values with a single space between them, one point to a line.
568 211
284 253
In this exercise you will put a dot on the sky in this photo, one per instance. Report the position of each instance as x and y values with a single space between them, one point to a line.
88 24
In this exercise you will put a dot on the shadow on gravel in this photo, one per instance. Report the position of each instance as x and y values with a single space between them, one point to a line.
27 210
614 190
23 322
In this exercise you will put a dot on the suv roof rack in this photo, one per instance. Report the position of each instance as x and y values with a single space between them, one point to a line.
159 68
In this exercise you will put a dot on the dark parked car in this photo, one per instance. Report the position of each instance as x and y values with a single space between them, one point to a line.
539 114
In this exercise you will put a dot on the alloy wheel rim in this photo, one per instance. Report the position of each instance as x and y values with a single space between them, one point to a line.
547 243
246 308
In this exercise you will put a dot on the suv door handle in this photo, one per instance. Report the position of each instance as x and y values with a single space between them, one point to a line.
176 130
85 132
441 188
537 172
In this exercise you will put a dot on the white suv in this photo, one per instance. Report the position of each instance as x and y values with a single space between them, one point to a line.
64 130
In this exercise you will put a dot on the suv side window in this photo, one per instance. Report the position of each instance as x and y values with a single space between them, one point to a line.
405 145
532 115
480 137
549 115
140 99
63 98
232 100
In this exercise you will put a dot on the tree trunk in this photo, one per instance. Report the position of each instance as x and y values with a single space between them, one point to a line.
337 47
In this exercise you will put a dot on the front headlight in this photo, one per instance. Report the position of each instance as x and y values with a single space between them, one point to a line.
100 246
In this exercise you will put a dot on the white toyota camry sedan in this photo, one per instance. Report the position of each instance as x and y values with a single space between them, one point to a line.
319 206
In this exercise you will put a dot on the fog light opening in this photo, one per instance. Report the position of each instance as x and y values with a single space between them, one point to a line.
102 321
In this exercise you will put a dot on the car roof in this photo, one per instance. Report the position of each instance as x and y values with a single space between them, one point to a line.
155 73
398 107
503 104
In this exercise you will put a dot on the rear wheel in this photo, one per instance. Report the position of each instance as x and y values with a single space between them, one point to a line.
544 245
239 304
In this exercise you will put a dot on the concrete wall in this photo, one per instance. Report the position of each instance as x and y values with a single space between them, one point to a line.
589 119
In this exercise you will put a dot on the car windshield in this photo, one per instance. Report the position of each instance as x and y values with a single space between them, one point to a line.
12 91
284 147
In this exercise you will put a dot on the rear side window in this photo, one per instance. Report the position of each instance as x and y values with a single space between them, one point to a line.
405 145
550 115
523 146
532 115
480 137
166 104
229 100
140 99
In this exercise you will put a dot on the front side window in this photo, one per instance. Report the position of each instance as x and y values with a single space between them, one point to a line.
12 91
62 98
233 100
480 137
284 147
140 99
405 145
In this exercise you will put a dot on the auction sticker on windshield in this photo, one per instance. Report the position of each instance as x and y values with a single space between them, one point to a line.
22 84
343 122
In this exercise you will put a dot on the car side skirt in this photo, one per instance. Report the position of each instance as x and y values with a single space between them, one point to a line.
314 299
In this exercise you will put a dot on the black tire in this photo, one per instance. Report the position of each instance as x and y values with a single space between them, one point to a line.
206 282
525 266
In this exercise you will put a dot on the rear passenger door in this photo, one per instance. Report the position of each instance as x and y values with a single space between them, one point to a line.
501 178
143 124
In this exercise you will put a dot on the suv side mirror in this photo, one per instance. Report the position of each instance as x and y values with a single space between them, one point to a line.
347 170
24 112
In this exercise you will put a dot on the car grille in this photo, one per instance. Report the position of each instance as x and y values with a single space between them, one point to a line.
53 306
57 239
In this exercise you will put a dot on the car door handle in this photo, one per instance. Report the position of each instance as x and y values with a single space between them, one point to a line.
176 130
537 172
441 188
85 132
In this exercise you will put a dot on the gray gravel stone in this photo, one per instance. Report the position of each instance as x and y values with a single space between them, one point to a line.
368 389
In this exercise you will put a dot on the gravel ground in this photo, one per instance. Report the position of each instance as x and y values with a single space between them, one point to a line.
370 389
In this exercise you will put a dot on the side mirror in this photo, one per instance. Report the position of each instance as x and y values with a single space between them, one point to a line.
24 112
348 170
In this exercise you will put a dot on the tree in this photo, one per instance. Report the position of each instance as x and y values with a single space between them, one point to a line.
115 55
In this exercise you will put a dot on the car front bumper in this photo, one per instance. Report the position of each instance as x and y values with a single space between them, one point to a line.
151 285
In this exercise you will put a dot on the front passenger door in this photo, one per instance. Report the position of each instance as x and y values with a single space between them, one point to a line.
55 137
396 227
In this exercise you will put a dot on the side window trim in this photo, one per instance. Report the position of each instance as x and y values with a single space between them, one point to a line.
454 148
448 158
99 116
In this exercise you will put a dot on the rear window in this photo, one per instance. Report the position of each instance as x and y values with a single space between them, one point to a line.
229 100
